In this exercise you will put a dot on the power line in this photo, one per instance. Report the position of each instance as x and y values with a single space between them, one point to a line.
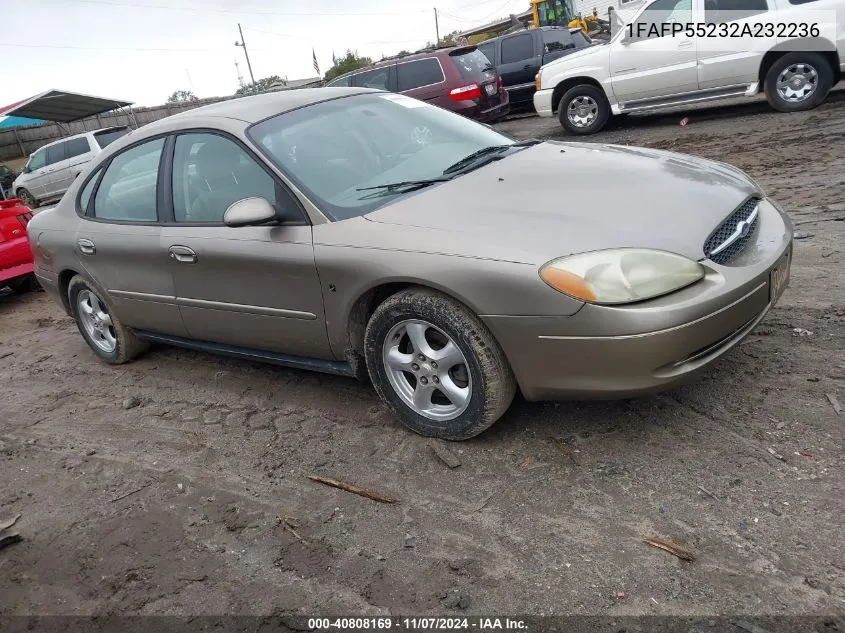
245 11
478 20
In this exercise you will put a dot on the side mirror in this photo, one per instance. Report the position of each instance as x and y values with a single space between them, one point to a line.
25 169
249 212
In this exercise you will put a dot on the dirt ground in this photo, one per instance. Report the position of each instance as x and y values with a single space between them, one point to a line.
156 487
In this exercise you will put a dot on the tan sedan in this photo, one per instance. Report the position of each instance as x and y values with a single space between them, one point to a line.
369 234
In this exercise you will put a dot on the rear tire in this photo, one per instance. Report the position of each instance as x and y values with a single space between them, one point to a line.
798 81
107 337
23 284
28 199
583 110
462 382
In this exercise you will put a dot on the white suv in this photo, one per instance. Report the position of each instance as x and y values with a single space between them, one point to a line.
643 69
52 168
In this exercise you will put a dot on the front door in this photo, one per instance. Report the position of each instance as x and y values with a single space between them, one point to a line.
646 64
119 241
255 287
37 174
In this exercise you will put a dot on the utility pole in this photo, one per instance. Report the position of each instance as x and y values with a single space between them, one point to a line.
436 26
242 44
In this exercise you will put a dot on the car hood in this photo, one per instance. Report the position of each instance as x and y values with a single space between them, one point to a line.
556 199
578 57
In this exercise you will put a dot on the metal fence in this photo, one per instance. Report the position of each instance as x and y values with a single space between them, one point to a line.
22 141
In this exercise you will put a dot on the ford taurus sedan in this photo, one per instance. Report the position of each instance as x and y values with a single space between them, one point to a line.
372 235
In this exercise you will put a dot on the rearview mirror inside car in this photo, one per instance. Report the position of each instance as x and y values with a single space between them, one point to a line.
248 212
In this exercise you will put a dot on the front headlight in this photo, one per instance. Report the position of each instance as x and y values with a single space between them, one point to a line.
618 276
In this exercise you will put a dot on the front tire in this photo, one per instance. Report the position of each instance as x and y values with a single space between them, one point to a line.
107 337
437 366
798 81
583 110
28 199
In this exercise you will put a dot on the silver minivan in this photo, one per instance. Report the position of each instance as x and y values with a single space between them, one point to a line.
51 169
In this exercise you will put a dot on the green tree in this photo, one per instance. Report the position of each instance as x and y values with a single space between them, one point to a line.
351 61
262 85
182 96
453 39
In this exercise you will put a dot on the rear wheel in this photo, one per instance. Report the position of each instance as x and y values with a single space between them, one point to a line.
437 366
28 199
798 81
102 330
583 110
23 284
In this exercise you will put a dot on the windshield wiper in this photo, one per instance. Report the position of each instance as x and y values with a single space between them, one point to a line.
490 152
405 186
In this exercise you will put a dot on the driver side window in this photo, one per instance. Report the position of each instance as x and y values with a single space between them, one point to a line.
210 173
37 160
651 22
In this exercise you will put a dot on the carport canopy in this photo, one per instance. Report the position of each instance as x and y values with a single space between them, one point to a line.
62 107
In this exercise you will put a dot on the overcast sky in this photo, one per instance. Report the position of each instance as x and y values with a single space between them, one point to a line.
143 50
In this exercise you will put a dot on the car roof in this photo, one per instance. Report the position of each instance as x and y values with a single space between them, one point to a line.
571 29
410 57
259 107
81 134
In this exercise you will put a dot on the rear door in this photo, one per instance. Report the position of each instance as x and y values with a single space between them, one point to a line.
520 63
422 79
722 63
56 155
119 239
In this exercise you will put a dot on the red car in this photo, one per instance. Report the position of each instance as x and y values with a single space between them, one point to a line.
16 267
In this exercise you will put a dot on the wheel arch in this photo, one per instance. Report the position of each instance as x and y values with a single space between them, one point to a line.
64 282
780 50
566 84
363 307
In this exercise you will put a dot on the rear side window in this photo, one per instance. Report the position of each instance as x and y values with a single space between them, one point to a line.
473 65
375 78
56 153
517 48
77 147
418 73
127 191
87 190
488 49
557 40
107 137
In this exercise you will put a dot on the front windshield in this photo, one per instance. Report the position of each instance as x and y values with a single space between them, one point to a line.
334 149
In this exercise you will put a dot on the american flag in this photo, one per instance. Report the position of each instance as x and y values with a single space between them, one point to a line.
316 65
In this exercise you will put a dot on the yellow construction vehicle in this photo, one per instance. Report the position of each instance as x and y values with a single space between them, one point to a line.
560 13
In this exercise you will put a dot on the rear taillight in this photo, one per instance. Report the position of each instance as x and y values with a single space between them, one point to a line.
501 83
466 93
24 218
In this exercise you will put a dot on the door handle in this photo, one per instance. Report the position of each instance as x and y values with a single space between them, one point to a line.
527 67
686 44
183 254
86 246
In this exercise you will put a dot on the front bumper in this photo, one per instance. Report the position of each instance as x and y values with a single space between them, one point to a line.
543 102
604 352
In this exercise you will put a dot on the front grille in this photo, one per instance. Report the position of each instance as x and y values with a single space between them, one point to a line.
727 229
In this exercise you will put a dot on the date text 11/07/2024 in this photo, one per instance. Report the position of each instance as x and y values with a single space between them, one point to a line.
481 624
